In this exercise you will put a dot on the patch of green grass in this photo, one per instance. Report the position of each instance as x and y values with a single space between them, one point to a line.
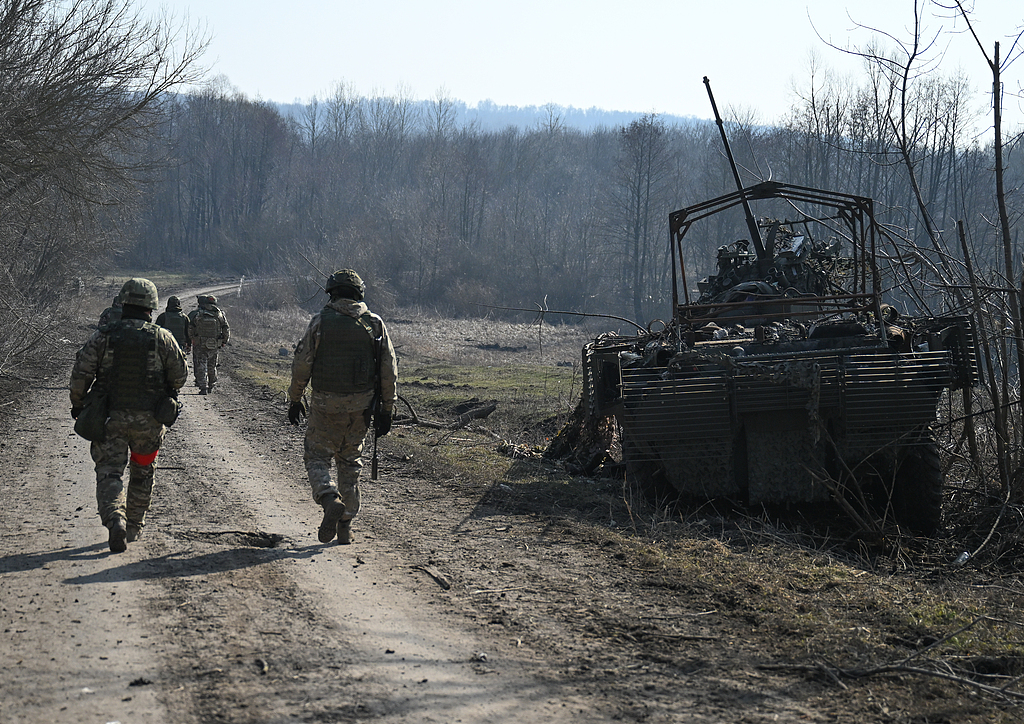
532 401
258 364
439 385
164 280
939 614
260 375
970 630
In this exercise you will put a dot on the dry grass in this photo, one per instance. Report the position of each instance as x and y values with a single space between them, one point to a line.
792 588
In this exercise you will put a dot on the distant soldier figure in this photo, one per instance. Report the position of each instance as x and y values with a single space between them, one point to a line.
344 355
112 313
139 365
208 332
176 322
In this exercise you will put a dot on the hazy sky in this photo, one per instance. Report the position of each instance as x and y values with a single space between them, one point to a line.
627 55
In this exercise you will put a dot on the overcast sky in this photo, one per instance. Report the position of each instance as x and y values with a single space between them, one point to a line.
635 55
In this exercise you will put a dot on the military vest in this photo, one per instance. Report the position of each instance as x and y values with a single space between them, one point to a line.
344 362
136 379
177 324
207 324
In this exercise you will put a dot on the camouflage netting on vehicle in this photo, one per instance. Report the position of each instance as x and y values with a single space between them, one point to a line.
585 442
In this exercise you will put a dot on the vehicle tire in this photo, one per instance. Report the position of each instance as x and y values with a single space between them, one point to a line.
917 489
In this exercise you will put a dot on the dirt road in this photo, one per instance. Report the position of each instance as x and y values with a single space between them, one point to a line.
229 609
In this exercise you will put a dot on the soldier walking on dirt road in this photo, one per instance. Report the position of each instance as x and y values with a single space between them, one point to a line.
208 331
139 368
347 359
175 322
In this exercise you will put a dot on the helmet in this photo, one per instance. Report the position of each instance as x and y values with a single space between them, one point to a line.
173 303
210 299
140 293
117 301
345 283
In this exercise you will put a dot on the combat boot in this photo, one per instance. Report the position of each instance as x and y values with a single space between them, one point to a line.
117 539
333 510
134 532
202 390
345 531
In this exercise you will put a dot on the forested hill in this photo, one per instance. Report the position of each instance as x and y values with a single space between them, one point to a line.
489 116
438 211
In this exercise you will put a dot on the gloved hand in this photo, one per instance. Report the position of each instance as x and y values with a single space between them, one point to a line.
381 423
296 411
75 412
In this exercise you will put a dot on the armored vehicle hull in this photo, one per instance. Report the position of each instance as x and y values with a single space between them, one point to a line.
788 380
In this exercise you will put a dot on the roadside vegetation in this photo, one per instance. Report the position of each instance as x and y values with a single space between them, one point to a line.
799 586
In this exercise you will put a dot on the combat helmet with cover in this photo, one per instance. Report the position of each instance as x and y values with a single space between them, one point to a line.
140 293
346 283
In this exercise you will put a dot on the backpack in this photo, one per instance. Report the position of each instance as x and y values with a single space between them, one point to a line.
207 324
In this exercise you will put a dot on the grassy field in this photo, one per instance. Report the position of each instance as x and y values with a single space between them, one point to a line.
792 590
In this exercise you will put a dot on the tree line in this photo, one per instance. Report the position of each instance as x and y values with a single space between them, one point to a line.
109 163
446 215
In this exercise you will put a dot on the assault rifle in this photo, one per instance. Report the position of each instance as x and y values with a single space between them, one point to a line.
377 402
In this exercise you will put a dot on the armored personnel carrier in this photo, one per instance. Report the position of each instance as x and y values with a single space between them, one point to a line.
788 379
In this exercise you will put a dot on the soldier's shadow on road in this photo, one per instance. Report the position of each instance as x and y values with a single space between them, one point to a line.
22 562
184 564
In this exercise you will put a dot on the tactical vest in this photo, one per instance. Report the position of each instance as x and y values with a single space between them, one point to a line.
135 381
207 324
177 324
344 362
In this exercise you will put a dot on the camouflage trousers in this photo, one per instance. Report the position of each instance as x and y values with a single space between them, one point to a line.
336 431
133 439
204 363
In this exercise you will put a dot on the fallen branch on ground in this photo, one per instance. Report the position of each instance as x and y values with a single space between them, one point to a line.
477 413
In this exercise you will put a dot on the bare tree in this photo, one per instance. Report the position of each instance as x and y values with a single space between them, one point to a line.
997 66
642 170
81 86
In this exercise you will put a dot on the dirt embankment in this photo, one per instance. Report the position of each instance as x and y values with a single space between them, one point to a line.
462 599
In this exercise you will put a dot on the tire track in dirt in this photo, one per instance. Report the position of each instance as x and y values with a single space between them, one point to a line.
404 658
229 608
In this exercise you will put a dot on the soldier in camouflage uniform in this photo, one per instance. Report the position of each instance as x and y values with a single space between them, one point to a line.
175 322
112 313
139 365
208 331
343 350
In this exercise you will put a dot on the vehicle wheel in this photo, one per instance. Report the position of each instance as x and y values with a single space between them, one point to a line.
917 489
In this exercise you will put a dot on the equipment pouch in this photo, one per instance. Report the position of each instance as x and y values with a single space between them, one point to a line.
167 411
92 420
